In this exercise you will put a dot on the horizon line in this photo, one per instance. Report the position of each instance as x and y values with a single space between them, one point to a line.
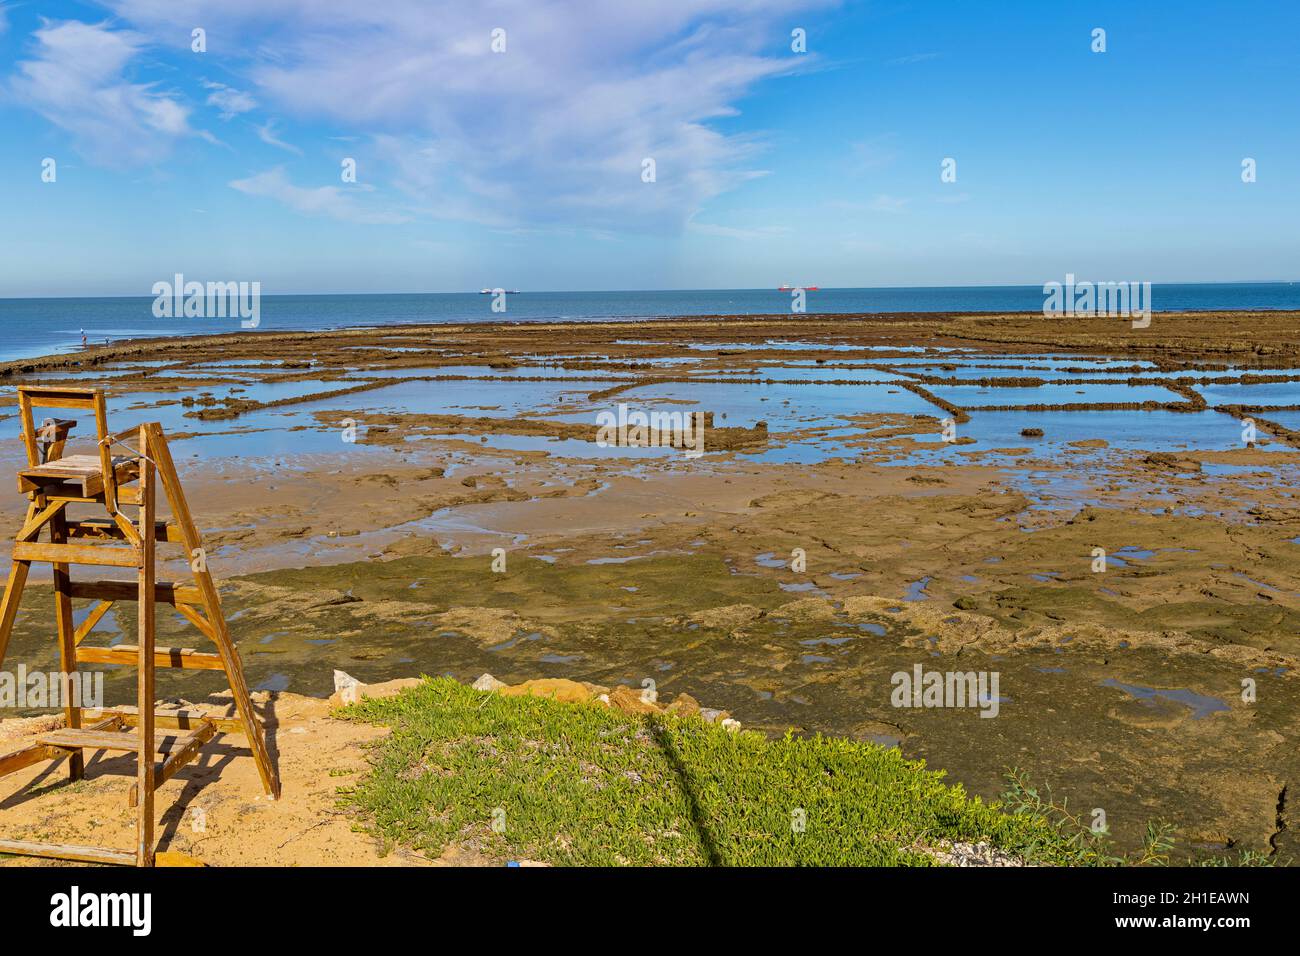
886 288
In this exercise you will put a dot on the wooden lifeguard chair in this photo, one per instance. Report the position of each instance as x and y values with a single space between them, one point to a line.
53 483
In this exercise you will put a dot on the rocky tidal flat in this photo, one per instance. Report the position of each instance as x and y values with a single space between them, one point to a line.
874 493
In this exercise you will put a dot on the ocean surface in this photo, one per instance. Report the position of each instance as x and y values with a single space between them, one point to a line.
30 327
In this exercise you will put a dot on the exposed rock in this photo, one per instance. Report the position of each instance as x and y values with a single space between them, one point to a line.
489 683
731 616
806 609
630 700
556 688
488 625
684 706
1167 462
347 689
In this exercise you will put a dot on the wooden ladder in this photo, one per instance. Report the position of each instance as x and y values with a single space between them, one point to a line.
52 483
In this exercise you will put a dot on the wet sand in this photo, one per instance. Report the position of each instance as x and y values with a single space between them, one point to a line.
352 487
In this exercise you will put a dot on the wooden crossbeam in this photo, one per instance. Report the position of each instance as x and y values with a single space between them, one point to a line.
76 554
203 625
186 749
181 719
165 592
62 851
176 658
105 528
21 759
94 617
33 527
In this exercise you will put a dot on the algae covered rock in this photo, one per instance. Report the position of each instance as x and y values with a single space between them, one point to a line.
630 700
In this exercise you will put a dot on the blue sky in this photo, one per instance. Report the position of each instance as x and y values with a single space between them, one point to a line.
523 168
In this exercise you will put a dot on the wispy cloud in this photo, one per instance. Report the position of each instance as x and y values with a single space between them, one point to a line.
76 80
332 201
267 134
229 101
554 129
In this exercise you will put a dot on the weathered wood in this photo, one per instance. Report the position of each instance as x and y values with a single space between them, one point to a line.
186 749
67 637
34 525
192 615
144 777
87 554
9 603
61 851
51 482
176 658
45 396
53 435
106 529
86 739
83 473
93 618
211 603
28 432
180 719
20 759
165 592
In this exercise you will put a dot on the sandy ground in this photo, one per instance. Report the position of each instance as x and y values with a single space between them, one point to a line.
215 810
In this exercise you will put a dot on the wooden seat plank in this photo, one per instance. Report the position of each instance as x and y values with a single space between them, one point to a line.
125 740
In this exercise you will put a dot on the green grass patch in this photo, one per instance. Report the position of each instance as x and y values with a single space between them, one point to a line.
586 785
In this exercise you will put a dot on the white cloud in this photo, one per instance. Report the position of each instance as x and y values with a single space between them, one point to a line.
554 130
229 101
331 201
4 19
77 81
267 134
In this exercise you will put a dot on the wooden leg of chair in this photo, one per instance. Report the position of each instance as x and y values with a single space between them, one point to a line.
67 644
212 606
9 604
145 669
